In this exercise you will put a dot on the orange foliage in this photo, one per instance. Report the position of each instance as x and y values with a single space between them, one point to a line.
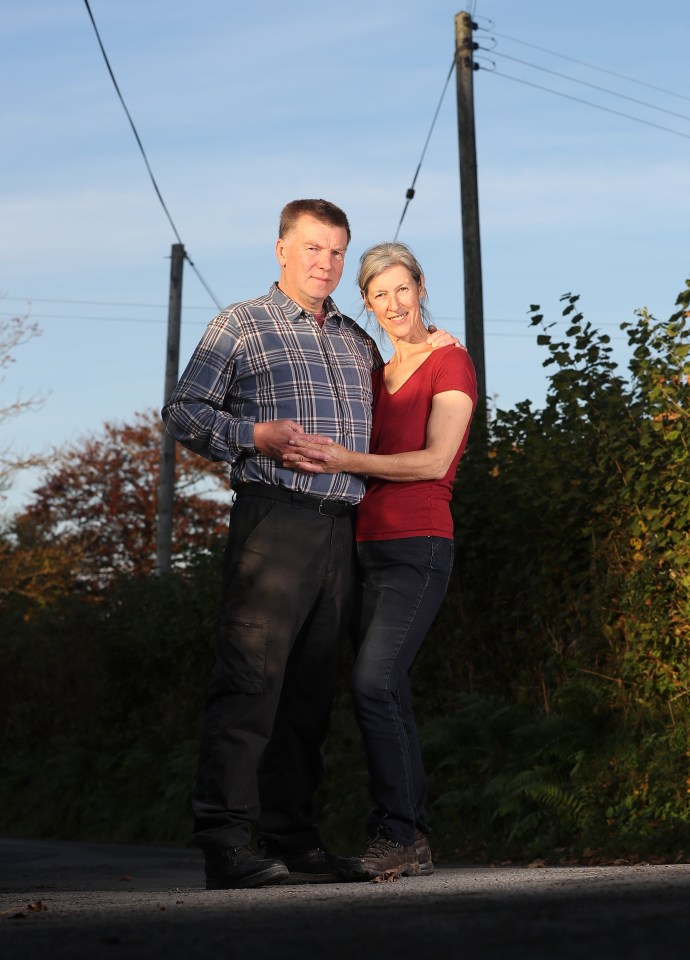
94 514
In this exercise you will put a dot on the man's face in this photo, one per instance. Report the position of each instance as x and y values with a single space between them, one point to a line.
311 259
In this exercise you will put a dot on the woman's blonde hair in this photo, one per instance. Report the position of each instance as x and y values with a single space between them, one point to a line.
382 257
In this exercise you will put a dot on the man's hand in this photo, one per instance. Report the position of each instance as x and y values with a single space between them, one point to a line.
440 338
273 437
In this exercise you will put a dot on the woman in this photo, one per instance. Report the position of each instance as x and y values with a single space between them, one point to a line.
423 403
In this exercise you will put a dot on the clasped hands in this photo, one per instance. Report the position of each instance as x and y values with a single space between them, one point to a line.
286 442
314 453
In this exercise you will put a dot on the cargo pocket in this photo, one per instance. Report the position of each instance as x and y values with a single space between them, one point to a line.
241 653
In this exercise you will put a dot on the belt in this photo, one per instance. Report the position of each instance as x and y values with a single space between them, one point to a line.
328 508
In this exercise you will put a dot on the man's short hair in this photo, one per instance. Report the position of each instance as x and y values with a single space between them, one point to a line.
322 210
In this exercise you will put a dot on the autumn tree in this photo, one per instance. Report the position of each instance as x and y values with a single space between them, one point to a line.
93 516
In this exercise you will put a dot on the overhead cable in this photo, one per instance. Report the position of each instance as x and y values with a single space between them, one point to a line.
93 303
146 161
585 83
597 106
194 323
410 193
591 66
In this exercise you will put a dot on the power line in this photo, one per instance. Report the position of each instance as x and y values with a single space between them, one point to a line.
517 320
585 83
597 106
131 123
146 161
410 193
163 306
591 66
513 321
206 287
99 319
94 303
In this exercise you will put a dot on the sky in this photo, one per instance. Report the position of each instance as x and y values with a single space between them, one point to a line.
582 115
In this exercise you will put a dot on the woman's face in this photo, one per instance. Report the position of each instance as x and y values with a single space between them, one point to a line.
394 298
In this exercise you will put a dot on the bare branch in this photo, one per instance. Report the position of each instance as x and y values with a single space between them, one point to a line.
14 333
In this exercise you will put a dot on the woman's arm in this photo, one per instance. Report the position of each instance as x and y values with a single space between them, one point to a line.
450 416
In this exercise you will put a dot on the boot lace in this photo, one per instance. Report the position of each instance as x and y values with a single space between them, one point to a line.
380 847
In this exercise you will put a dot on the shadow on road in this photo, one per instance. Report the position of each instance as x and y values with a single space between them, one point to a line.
74 900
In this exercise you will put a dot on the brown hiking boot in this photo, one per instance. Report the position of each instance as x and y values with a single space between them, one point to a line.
382 859
423 851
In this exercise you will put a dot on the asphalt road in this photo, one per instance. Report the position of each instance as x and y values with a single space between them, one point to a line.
74 900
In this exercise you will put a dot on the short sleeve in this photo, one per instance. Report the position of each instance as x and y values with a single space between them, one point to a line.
454 370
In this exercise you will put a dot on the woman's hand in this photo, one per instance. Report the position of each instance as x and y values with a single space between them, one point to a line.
314 453
441 338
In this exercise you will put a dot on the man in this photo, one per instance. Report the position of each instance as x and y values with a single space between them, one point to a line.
266 369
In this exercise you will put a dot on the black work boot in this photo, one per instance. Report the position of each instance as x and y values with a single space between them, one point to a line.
310 866
234 868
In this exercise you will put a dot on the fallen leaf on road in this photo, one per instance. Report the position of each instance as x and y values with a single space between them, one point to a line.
388 877
36 907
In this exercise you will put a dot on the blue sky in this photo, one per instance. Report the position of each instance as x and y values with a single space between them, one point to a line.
243 107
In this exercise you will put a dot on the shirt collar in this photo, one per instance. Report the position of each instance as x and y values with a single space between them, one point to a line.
293 311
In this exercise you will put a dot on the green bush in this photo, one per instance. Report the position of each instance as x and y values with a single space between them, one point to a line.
101 710
573 532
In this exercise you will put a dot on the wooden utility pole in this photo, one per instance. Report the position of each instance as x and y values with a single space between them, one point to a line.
469 198
166 483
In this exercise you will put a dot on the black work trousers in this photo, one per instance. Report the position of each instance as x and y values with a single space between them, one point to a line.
285 599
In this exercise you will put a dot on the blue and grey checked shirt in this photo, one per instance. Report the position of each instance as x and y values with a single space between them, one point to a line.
267 359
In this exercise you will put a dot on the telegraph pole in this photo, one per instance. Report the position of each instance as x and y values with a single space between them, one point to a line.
469 199
166 483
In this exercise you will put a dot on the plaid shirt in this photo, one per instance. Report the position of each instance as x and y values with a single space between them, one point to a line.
266 359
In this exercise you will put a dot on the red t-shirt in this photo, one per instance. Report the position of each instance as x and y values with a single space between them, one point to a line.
419 508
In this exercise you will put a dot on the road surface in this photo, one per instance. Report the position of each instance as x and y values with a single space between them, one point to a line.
68 901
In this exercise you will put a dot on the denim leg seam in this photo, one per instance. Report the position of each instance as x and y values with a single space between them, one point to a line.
405 746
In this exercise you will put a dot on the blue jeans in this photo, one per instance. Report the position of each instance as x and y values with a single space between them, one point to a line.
403 584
